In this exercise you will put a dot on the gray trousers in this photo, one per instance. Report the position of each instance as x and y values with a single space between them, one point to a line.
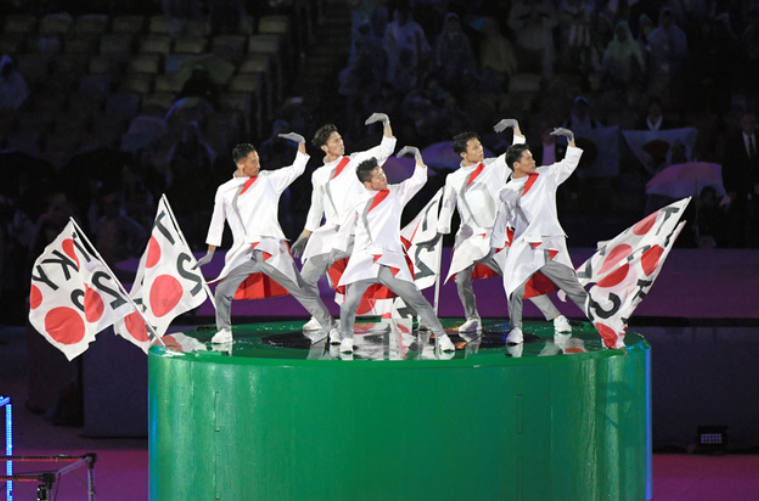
315 268
226 289
565 279
405 290
463 281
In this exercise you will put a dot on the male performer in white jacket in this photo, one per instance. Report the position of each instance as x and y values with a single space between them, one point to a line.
334 186
528 205
249 203
473 191
378 255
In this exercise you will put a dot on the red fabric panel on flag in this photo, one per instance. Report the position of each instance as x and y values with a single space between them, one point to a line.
378 198
335 272
259 286
538 285
530 181
475 173
248 184
341 166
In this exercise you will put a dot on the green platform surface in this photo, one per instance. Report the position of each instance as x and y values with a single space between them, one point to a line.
278 417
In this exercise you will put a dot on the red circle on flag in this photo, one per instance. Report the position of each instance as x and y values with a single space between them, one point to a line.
154 253
644 226
650 259
35 297
171 343
615 277
136 326
68 248
64 325
616 255
608 335
93 305
165 294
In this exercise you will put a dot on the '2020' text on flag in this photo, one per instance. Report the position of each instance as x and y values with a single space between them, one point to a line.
167 283
624 269
73 295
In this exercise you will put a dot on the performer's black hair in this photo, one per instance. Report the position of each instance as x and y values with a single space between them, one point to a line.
365 168
241 151
460 140
322 135
514 154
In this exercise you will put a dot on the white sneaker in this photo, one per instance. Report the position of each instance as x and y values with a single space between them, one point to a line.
515 336
335 337
561 324
346 345
221 337
444 343
312 325
315 336
472 325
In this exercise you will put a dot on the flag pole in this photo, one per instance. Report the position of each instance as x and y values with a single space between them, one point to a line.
150 328
437 275
184 241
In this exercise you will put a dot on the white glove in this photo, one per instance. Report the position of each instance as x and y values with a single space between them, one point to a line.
299 245
292 136
504 124
376 117
410 149
564 132
204 260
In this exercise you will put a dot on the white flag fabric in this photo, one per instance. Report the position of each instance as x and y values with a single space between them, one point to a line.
73 295
651 147
624 270
600 157
166 284
423 228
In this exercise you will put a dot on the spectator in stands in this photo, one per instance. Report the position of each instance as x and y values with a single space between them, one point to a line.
372 11
407 51
13 88
363 75
178 13
117 236
654 119
622 64
454 58
575 17
190 166
201 85
497 59
740 172
532 22
669 50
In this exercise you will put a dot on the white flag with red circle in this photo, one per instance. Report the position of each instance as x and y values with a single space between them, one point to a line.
167 282
73 294
624 270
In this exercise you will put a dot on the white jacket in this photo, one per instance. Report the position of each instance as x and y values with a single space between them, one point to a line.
477 204
333 196
529 205
378 232
254 217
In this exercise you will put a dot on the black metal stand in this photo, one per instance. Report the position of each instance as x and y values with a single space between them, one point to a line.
47 479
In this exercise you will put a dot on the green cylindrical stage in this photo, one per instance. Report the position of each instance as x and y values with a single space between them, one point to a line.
278 418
